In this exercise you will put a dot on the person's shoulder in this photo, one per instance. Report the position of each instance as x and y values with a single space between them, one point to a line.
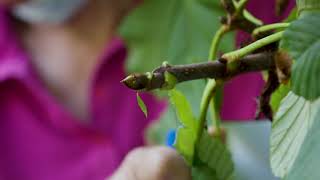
5 30
12 57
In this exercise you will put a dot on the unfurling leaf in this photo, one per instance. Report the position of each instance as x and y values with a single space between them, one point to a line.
183 109
186 135
142 105
185 143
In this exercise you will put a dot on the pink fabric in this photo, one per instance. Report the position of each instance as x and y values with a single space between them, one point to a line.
40 140
240 94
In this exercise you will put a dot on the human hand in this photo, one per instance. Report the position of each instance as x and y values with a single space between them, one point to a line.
153 163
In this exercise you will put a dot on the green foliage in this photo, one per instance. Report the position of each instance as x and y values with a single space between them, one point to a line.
216 156
142 105
307 163
302 40
292 122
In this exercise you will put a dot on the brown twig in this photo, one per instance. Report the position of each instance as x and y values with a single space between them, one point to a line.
212 69
272 84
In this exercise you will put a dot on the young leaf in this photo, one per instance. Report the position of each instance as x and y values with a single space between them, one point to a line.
292 122
192 91
183 108
212 152
302 40
185 143
142 105
186 134
307 164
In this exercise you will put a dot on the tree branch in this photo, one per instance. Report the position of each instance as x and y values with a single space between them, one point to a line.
216 70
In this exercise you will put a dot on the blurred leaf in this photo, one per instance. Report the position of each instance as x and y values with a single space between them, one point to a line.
307 164
292 122
176 31
183 108
308 5
278 95
212 152
142 105
302 40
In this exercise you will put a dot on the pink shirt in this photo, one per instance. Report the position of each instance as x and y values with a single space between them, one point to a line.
40 140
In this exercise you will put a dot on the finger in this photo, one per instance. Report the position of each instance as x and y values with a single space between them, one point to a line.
157 163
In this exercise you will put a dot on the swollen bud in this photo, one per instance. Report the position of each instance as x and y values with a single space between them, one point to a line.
136 81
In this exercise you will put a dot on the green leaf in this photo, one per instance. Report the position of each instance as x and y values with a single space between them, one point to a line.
292 122
302 41
278 95
308 5
185 142
177 31
142 106
212 152
183 108
307 163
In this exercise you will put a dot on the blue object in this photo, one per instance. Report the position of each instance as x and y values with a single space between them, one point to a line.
171 137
